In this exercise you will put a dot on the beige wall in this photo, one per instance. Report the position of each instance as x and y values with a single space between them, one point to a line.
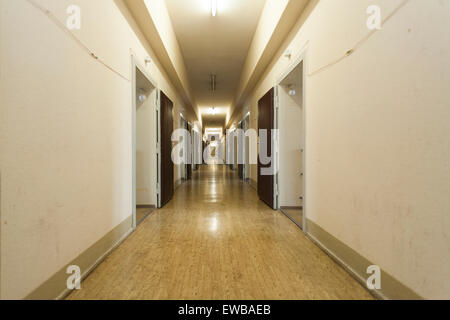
160 15
65 155
273 9
146 164
290 148
377 147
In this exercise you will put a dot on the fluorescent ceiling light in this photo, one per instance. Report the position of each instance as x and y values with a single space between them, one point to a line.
213 8
212 130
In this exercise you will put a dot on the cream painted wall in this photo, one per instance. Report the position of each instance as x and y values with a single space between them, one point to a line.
290 148
377 147
146 164
160 15
273 10
66 135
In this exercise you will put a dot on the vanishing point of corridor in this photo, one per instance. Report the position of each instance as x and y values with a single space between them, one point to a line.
216 240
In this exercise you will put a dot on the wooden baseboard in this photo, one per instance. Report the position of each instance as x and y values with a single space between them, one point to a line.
291 208
55 288
253 184
145 206
356 265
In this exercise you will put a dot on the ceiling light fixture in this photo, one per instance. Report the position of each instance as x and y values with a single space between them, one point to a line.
213 82
213 8
213 111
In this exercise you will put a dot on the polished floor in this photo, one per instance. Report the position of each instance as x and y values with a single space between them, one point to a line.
216 240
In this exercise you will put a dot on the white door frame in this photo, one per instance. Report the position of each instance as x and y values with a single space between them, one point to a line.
242 144
183 124
245 145
135 64
158 149
302 58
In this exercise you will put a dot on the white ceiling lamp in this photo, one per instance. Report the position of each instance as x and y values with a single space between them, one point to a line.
213 111
214 8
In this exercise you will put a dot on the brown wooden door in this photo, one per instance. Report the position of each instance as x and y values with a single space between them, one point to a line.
167 183
266 120
189 151
203 151
241 146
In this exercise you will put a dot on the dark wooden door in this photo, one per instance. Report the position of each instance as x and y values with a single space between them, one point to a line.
241 146
203 151
189 151
266 121
241 171
167 183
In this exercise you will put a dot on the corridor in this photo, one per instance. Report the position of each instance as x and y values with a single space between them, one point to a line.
224 149
216 240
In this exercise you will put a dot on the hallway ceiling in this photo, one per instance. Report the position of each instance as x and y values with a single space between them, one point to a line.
214 45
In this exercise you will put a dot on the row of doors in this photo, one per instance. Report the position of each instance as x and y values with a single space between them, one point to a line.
266 120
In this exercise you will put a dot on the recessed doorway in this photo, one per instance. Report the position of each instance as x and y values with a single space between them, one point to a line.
290 116
144 130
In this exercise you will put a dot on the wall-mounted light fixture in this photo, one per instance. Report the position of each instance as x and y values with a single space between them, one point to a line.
292 91
213 8
142 96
